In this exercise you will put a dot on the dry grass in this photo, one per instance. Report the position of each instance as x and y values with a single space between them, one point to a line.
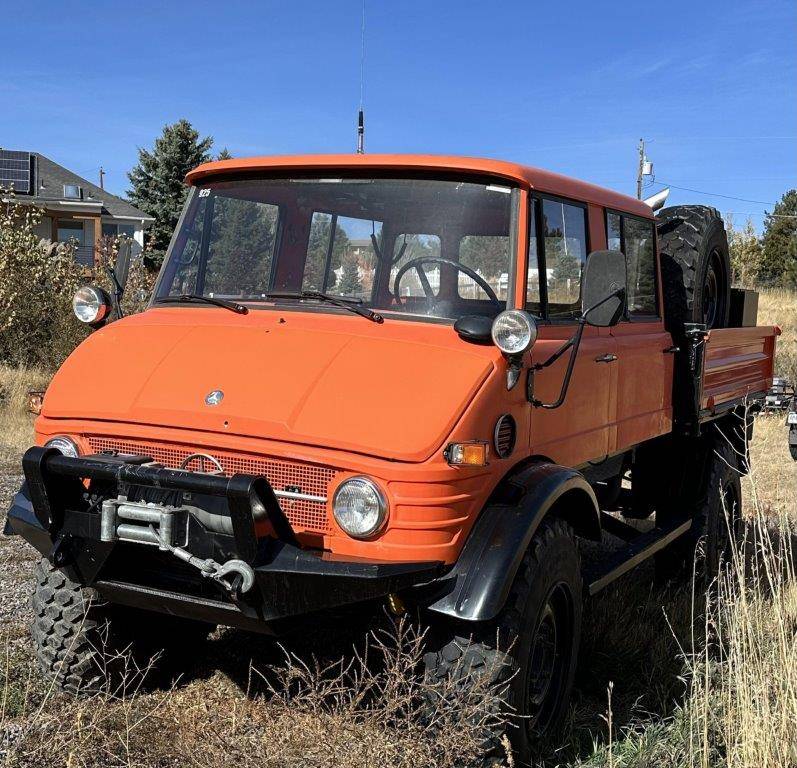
17 424
779 307
367 709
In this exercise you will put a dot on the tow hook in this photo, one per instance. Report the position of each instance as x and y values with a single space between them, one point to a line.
236 576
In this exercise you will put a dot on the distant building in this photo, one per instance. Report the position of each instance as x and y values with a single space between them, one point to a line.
75 210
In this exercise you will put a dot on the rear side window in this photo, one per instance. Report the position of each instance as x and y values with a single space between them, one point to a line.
565 249
636 239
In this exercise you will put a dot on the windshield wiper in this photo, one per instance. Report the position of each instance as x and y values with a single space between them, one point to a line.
345 302
188 298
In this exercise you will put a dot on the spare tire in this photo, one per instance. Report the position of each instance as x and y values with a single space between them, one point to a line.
695 267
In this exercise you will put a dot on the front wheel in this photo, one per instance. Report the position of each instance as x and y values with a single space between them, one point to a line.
528 653
85 644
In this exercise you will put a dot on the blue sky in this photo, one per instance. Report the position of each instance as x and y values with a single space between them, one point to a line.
569 86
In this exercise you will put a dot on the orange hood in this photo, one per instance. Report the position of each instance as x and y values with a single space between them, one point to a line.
394 390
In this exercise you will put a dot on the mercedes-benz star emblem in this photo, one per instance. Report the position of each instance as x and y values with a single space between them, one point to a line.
214 397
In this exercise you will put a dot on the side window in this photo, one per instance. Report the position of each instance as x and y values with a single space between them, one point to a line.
533 276
565 244
187 252
640 251
636 238
614 237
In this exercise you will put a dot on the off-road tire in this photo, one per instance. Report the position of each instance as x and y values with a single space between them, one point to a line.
85 644
693 246
498 653
715 509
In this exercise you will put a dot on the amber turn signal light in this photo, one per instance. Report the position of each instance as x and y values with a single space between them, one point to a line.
472 454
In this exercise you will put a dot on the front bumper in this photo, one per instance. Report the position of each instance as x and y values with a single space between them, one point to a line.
58 511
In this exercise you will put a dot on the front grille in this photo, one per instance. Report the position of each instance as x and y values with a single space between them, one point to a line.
294 477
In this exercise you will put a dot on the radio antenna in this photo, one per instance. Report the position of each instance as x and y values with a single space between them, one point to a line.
361 112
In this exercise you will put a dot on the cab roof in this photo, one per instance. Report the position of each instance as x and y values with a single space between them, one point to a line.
533 178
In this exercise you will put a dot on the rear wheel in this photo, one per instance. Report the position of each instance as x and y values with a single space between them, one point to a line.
529 651
85 644
716 511
695 267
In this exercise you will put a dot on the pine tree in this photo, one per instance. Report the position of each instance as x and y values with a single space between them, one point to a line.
779 258
158 186
350 284
224 154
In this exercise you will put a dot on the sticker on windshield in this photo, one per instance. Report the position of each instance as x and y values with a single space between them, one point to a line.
497 188
204 192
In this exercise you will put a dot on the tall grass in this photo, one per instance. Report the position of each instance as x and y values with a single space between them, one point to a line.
16 432
742 706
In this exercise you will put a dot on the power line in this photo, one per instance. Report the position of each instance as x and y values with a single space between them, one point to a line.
715 194
765 213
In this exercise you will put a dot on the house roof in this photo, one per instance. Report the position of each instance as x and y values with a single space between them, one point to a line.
533 178
49 179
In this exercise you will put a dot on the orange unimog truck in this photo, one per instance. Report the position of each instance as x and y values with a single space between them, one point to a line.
413 379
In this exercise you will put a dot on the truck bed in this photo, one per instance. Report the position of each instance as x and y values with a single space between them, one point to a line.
737 366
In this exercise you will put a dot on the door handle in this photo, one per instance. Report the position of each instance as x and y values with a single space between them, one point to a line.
607 358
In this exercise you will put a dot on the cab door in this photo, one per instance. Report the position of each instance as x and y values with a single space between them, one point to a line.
644 347
582 429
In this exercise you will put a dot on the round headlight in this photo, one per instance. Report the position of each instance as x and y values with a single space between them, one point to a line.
359 507
65 445
514 331
90 304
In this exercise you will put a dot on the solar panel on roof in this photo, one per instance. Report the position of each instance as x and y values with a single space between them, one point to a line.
15 171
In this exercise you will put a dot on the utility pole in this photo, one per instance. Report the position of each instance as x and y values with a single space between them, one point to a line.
102 177
645 168
640 168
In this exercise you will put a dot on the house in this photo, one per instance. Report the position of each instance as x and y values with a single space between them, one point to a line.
75 210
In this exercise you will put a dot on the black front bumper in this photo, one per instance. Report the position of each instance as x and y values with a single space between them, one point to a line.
58 513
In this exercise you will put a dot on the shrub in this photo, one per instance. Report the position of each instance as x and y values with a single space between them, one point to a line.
37 282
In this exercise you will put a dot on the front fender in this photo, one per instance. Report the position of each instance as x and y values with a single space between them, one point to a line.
478 585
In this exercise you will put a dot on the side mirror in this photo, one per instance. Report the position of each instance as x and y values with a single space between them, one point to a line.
475 328
603 288
122 267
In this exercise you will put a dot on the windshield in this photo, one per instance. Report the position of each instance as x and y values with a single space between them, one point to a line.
423 248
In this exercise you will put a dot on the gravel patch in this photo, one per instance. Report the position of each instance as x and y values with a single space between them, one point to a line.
16 565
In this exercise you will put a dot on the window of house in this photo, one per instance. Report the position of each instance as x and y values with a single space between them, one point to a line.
73 192
565 250
70 231
112 229
636 239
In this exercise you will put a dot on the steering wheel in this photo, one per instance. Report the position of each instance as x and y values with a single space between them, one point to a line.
417 265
